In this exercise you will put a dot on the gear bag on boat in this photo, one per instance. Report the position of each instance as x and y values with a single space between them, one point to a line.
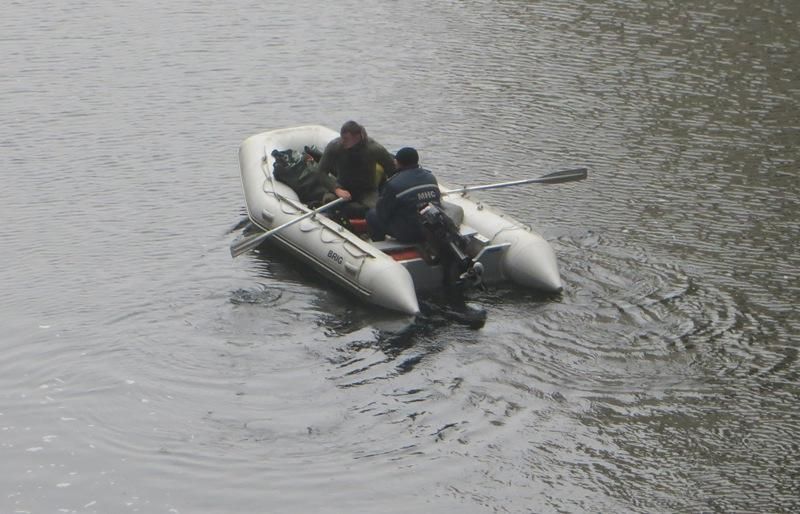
301 174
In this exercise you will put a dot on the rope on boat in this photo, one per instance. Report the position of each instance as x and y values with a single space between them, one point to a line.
270 190
268 187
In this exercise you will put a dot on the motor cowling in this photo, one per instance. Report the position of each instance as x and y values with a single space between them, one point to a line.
444 244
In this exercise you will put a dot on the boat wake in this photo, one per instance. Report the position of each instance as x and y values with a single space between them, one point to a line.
623 309
261 295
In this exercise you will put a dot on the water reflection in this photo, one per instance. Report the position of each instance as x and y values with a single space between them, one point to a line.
142 368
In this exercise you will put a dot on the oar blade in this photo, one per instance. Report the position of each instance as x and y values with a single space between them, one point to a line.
245 244
558 177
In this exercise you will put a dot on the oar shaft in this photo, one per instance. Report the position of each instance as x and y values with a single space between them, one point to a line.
556 177
300 218
245 245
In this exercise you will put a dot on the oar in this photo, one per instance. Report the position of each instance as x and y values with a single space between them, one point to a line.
245 245
242 224
556 177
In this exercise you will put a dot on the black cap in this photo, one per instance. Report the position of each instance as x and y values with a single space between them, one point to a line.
407 156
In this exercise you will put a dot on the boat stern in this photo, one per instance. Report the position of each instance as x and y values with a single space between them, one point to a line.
391 287
531 262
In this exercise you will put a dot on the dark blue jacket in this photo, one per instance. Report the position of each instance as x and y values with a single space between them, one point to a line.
403 195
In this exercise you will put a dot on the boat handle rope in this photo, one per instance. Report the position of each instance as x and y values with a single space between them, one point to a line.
283 203
519 226
269 188
282 200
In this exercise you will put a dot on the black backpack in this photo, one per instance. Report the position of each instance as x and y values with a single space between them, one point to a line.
302 176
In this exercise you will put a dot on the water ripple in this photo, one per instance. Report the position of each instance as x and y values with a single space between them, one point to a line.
143 369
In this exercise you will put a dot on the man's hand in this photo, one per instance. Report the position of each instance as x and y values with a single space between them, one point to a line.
343 193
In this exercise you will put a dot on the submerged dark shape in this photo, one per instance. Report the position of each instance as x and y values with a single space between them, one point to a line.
461 312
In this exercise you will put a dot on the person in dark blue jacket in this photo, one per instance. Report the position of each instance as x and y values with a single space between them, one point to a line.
403 195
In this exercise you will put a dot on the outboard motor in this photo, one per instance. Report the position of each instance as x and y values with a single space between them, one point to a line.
445 244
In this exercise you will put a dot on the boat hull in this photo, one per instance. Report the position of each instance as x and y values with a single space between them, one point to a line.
529 259
508 250
321 243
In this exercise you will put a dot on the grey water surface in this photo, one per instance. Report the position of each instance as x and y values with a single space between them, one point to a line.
144 370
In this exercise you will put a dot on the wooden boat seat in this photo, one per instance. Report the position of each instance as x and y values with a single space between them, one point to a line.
358 226
400 251
389 245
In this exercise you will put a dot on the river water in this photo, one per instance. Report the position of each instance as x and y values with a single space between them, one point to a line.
144 370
